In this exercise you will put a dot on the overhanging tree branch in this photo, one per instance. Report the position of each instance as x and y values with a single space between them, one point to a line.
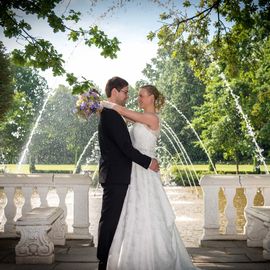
206 12
40 53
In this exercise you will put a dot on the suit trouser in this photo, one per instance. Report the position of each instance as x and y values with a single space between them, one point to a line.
112 203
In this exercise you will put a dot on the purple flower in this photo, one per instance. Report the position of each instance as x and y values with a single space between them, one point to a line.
88 103
83 106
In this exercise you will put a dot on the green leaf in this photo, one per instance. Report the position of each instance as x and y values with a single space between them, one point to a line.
164 16
71 79
151 35
73 35
73 16
186 3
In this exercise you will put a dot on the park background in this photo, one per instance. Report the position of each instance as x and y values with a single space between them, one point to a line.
210 59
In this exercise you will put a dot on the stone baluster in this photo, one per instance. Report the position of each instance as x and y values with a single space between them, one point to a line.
250 193
62 193
43 192
27 193
81 212
266 196
10 211
230 211
211 214
266 242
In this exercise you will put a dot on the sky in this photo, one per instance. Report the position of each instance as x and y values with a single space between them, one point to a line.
130 24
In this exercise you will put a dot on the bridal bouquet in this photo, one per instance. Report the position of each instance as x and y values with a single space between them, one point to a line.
88 103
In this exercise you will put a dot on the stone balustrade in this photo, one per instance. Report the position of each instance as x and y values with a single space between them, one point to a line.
42 184
79 184
211 185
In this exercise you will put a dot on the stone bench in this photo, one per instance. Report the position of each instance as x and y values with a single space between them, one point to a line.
258 228
40 230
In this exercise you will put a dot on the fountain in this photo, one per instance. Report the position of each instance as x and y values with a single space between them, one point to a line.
181 147
172 160
187 165
26 148
196 134
178 155
175 162
83 152
250 130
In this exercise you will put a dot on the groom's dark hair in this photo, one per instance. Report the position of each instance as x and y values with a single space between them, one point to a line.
115 82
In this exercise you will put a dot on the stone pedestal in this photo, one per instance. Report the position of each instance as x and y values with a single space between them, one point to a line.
258 228
266 242
40 229
35 247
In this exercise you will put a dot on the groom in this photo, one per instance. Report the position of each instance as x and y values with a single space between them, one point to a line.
117 155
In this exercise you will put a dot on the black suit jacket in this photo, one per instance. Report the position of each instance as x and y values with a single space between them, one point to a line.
117 152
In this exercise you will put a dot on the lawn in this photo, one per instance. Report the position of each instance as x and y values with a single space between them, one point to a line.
243 168
13 168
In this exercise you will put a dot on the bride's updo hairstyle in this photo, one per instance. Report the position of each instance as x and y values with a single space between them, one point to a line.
159 98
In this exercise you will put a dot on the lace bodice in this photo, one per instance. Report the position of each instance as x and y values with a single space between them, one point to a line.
144 139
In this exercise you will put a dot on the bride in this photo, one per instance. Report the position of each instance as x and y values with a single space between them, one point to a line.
146 237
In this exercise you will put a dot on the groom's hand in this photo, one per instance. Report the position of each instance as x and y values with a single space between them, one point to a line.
154 165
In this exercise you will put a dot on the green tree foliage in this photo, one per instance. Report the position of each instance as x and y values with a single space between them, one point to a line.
29 92
61 136
6 87
239 45
239 25
40 53
34 86
222 129
15 128
260 104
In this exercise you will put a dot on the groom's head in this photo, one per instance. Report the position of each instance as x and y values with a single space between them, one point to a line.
117 90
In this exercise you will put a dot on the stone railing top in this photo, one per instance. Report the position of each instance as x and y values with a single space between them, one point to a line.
40 216
43 179
261 212
240 180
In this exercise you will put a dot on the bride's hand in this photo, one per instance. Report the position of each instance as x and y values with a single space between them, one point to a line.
154 166
107 104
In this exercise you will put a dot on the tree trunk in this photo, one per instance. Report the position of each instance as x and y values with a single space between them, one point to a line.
237 167
76 156
256 166
237 164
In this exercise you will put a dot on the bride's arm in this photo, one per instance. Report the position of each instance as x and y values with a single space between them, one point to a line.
128 120
149 119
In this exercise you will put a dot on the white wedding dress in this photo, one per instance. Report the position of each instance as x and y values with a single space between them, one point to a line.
146 237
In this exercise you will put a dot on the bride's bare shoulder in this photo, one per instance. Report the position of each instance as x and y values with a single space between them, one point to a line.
154 122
